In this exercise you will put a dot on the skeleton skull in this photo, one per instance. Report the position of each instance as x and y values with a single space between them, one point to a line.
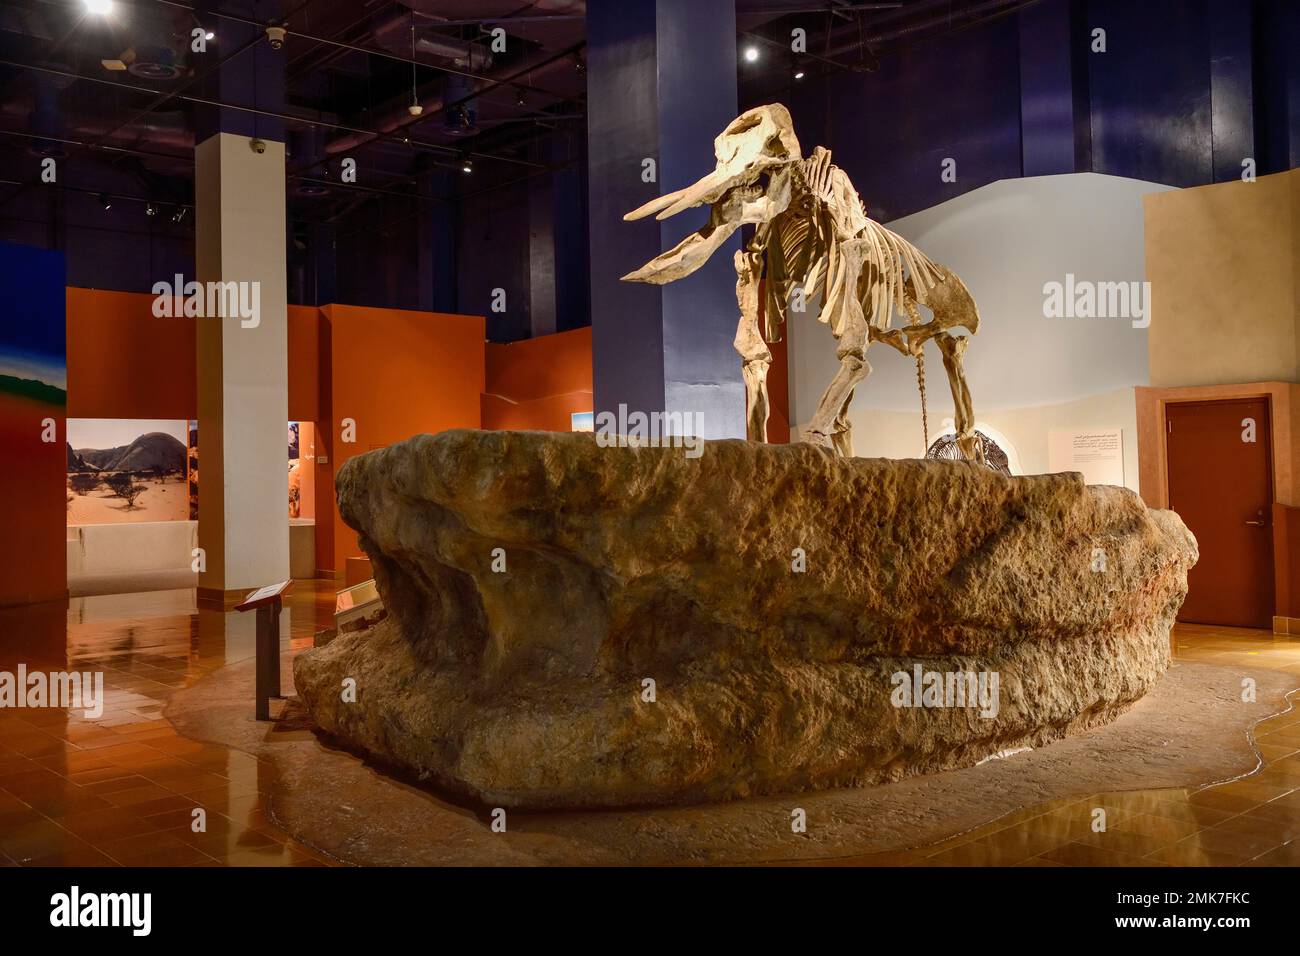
758 143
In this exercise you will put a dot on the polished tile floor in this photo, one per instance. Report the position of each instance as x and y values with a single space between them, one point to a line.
123 788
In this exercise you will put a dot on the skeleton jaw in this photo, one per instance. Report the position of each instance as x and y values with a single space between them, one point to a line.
748 201
685 257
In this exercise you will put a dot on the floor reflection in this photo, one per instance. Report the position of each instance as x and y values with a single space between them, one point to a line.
123 788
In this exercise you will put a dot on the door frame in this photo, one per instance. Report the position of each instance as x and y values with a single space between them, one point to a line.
1267 511
1153 427
1284 422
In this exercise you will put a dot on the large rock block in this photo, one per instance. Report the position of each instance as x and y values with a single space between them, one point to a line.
526 684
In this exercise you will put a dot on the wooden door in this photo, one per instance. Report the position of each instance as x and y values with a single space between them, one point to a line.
1220 460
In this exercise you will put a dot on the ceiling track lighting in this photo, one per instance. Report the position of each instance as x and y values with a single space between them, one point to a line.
105 201
466 164
150 210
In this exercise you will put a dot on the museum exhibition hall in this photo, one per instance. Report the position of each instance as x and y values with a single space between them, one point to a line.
636 434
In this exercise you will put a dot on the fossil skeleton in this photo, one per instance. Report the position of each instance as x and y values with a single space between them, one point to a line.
814 239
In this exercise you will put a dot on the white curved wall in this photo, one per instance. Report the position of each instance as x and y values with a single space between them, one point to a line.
1028 374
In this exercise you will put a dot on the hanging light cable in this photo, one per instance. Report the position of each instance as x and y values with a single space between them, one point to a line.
415 109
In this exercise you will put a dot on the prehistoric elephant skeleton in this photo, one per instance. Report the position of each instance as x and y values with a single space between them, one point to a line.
814 235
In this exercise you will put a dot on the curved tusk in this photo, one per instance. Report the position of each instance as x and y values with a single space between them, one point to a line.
654 205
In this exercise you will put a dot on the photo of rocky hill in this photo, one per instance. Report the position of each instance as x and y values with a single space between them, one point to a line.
126 470
155 451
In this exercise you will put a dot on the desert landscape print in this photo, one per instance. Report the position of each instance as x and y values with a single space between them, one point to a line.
33 387
126 470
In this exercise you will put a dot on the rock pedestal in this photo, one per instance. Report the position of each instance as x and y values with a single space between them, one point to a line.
572 625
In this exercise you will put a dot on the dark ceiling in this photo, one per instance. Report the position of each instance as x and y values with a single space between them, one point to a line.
125 87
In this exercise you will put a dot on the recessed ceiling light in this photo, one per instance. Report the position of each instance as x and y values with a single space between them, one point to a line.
102 7
751 54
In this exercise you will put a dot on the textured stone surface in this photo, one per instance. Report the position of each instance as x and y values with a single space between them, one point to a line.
524 688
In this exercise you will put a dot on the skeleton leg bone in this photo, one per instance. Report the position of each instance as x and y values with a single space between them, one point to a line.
953 347
849 325
830 421
842 437
749 343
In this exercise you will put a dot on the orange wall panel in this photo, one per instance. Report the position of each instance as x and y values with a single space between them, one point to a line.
123 362
554 413
304 363
537 384
33 563
395 373
537 368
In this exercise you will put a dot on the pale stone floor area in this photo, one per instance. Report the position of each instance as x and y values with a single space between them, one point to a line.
121 789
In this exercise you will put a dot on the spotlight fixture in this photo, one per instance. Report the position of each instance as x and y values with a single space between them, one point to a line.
467 165
751 54
579 63
101 7
105 201
209 35
179 214
798 74
150 210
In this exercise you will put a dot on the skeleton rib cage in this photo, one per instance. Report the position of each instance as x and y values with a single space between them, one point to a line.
813 234
801 246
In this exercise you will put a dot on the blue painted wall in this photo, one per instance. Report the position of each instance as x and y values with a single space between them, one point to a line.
1185 90
1150 91
957 97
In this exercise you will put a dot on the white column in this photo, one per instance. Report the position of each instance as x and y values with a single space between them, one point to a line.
242 368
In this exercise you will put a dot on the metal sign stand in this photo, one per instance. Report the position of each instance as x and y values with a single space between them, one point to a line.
268 602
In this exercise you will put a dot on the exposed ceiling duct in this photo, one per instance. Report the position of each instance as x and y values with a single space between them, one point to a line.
910 21
394 35
455 92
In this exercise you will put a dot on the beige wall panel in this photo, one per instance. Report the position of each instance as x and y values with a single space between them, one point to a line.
1222 261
